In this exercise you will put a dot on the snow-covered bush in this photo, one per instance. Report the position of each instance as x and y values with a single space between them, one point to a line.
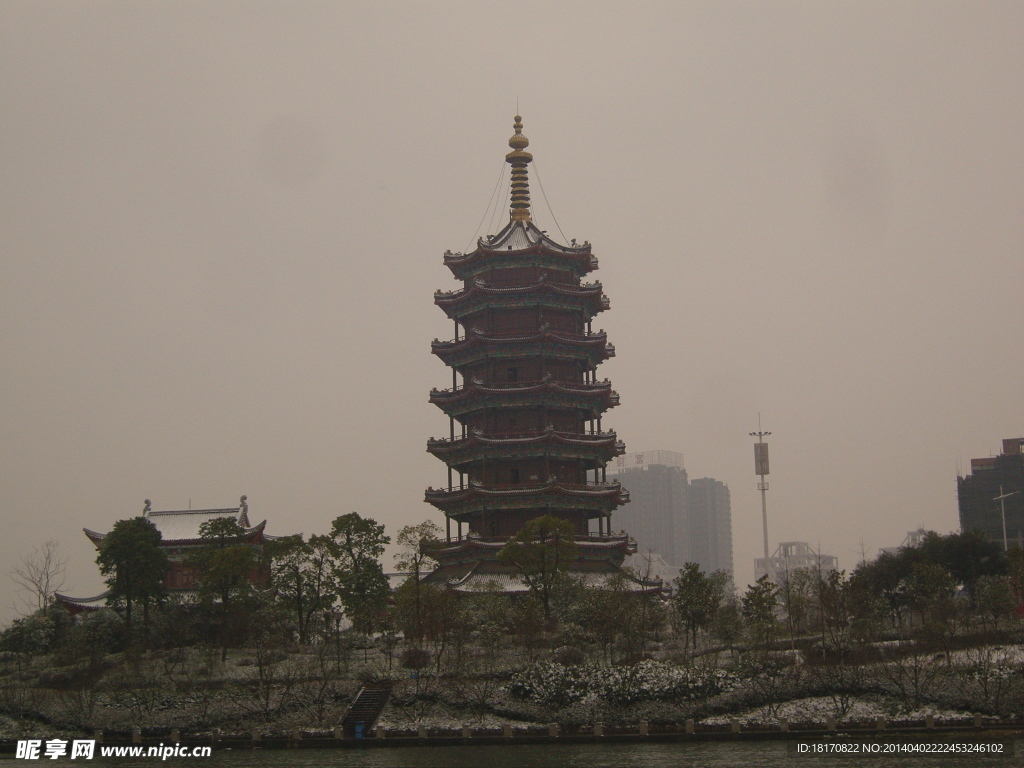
559 686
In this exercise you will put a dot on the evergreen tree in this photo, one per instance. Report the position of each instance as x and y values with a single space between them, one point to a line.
543 550
696 598
417 542
225 564
362 587
134 565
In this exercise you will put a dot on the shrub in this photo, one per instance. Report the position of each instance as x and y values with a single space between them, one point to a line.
561 686
569 656
415 658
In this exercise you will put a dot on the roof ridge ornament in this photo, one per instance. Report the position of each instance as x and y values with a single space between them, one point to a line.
519 158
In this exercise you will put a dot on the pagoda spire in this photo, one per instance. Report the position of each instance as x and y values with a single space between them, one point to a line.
519 158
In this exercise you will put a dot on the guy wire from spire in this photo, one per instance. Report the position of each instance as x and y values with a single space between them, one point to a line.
536 172
497 207
501 175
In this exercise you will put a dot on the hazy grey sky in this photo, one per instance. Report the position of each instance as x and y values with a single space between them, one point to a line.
222 227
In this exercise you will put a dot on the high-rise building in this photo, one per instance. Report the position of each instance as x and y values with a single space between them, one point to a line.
525 436
683 521
656 515
710 522
994 486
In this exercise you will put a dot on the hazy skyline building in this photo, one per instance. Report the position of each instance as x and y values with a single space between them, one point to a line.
681 520
978 495
791 556
709 511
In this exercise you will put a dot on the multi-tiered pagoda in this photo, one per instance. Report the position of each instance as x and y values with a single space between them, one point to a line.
525 405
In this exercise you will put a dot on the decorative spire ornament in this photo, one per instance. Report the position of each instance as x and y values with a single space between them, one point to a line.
519 158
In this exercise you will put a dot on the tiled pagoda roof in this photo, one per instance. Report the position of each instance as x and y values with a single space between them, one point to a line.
456 302
181 527
519 239
475 389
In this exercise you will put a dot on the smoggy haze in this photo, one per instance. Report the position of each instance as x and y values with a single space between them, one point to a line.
222 227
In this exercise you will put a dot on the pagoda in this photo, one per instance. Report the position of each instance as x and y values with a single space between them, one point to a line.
525 407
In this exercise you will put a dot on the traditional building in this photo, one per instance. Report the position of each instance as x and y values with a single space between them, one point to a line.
525 407
179 534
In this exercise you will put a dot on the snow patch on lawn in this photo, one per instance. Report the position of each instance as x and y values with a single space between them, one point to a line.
818 709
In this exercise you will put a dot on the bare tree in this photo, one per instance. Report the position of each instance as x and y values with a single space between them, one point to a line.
39 575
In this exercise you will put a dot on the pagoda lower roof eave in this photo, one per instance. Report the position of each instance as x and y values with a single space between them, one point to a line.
98 601
488 577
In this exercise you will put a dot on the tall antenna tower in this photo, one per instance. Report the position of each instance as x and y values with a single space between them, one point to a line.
761 469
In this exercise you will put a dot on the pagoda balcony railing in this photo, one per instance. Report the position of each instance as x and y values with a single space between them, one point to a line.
611 538
582 386
524 333
565 286
592 434
610 485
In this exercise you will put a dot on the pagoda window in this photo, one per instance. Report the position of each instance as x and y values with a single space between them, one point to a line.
513 375
514 476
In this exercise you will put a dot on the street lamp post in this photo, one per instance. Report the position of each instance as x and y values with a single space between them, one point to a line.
761 469
1001 498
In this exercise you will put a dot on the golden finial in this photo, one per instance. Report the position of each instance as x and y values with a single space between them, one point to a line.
518 158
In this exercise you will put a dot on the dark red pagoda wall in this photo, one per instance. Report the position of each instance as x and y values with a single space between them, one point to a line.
508 523
500 421
524 370
509 320
528 472
182 576
514 276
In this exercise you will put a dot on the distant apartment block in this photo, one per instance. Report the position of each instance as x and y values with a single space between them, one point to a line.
981 509
681 520
790 556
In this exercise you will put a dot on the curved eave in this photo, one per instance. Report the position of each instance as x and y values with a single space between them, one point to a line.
458 304
519 240
596 398
591 500
597 449
95 537
253 535
98 601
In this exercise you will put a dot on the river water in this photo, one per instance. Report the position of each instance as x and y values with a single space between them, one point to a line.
768 754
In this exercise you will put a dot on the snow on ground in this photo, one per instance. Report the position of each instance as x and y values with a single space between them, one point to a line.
998 654
393 718
819 708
